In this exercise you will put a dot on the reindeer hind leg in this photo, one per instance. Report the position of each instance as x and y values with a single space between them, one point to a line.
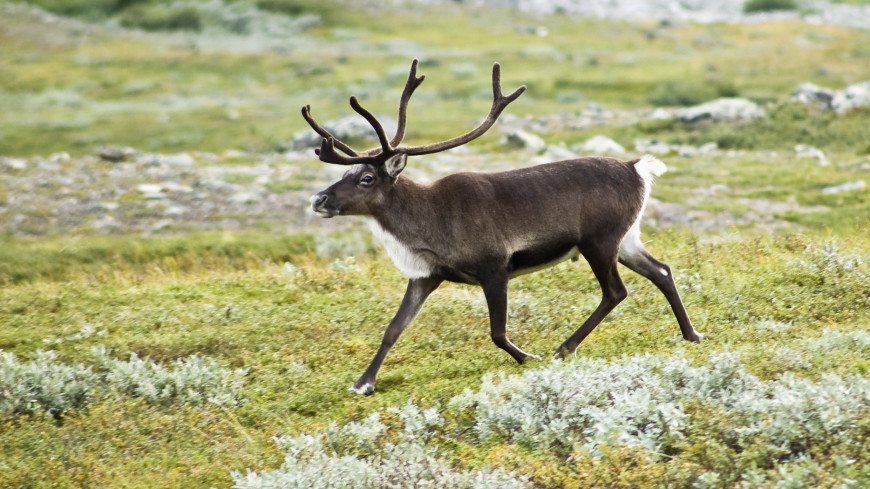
634 255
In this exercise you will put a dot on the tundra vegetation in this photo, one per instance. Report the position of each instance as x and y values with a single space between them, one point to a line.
215 350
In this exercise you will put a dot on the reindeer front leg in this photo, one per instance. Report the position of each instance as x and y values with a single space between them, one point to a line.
418 291
495 289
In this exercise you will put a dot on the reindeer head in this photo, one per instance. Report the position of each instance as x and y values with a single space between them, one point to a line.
373 174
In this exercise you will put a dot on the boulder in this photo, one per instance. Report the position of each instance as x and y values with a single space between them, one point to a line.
651 146
115 154
851 97
814 95
845 187
804 151
13 163
555 153
526 140
600 145
723 109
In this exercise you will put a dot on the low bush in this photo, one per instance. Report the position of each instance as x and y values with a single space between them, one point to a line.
753 6
369 454
45 385
687 93
162 18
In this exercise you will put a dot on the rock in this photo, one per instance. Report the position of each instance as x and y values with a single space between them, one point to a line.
555 153
723 109
708 149
49 165
13 163
660 114
526 140
245 198
231 154
804 151
712 191
846 187
59 157
175 210
177 160
686 151
601 145
344 128
810 94
651 146
851 97
115 154
151 190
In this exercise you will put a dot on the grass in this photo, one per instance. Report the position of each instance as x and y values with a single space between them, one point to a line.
289 330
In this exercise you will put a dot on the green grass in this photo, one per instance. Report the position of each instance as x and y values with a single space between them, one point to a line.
306 336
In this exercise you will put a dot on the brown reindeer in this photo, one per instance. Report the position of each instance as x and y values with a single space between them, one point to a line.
486 228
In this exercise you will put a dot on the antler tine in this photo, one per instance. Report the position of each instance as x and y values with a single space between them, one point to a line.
306 113
328 154
499 102
413 82
386 147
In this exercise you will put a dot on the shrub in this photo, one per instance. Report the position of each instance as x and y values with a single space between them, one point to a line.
371 454
687 93
161 18
751 6
45 385
648 402
193 380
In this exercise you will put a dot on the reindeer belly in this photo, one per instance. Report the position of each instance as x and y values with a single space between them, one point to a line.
538 258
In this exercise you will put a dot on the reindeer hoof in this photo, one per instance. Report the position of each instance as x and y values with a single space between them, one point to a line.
366 389
699 337
562 353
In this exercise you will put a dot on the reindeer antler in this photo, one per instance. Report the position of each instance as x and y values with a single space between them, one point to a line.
499 102
388 148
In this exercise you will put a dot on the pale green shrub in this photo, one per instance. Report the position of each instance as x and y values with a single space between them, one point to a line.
193 380
369 454
45 385
643 401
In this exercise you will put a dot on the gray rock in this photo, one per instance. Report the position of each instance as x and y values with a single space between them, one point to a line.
13 163
708 149
115 154
555 153
804 151
723 109
810 94
526 140
177 160
846 187
651 146
59 157
660 114
851 97
49 165
601 145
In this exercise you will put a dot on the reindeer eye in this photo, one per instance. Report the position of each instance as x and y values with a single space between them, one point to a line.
367 180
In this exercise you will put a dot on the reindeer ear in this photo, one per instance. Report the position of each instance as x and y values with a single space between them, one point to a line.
395 164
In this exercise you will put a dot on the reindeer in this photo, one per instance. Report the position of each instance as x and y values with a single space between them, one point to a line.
487 228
